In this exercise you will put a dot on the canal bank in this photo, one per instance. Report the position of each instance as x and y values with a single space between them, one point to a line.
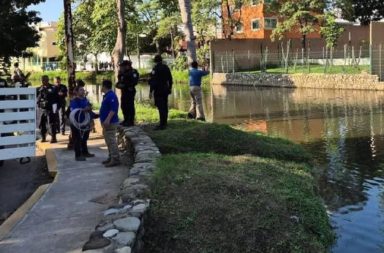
314 81
245 192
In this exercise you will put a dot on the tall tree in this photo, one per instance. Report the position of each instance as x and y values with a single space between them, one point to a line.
231 15
364 11
69 44
330 30
16 28
186 17
118 51
301 16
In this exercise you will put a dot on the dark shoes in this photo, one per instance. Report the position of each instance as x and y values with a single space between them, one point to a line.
126 124
54 141
159 128
190 116
106 161
112 163
201 119
80 159
88 155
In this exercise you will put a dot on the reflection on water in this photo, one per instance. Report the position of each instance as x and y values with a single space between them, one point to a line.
344 132
342 129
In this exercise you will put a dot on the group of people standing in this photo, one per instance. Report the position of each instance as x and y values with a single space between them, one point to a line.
52 101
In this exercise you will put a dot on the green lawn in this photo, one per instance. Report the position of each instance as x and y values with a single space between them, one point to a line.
184 136
219 189
319 69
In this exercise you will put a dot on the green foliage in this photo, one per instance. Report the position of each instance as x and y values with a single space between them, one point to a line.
191 136
331 30
204 16
180 63
364 11
300 16
16 29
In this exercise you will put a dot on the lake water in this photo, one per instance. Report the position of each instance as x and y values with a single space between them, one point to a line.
343 130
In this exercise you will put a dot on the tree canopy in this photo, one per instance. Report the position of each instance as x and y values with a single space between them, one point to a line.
303 16
364 11
16 27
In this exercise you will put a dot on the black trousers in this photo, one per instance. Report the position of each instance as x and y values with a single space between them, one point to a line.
161 103
128 106
52 119
62 116
80 140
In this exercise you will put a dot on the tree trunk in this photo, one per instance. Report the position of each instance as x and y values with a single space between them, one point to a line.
96 64
304 41
71 68
118 51
185 10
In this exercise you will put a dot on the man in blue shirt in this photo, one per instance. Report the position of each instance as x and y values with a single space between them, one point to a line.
109 121
195 75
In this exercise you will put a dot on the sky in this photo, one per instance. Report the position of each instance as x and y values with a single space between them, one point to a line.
50 10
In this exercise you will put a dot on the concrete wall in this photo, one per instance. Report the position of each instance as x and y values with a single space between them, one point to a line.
318 81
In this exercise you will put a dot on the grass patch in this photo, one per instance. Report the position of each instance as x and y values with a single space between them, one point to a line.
184 136
145 113
217 203
318 69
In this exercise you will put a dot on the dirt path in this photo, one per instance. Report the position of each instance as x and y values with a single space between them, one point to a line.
18 182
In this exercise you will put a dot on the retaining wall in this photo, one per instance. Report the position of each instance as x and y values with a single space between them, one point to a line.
122 227
318 81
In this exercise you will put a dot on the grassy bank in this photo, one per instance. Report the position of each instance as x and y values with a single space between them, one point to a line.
318 69
89 76
218 189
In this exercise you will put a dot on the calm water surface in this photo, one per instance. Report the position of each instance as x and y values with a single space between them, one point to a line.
343 130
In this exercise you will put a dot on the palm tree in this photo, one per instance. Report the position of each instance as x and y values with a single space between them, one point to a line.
185 11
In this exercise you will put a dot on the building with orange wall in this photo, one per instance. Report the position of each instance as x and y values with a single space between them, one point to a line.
254 21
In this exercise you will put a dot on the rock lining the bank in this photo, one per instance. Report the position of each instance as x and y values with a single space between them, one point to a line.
122 227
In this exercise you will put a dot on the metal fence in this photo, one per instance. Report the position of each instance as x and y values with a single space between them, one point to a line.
349 60
17 122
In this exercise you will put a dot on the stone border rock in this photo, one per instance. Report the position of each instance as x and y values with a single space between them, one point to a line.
313 80
121 229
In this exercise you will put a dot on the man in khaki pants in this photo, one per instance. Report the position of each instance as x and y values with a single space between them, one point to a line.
195 75
109 121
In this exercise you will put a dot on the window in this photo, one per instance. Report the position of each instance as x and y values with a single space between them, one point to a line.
239 28
270 23
255 2
255 24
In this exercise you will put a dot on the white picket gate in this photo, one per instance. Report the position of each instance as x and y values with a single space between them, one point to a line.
17 123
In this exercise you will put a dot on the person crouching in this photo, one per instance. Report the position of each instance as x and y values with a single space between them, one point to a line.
80 118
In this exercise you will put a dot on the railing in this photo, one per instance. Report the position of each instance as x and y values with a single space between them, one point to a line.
17 122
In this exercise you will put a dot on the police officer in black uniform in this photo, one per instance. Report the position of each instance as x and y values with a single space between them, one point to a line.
161 86
127 80
48 102
62 93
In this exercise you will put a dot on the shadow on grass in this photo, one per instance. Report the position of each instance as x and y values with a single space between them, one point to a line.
183 136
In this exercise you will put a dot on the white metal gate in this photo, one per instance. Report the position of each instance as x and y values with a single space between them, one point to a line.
17 122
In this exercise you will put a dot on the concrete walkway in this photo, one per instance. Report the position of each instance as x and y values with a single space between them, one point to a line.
63 219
